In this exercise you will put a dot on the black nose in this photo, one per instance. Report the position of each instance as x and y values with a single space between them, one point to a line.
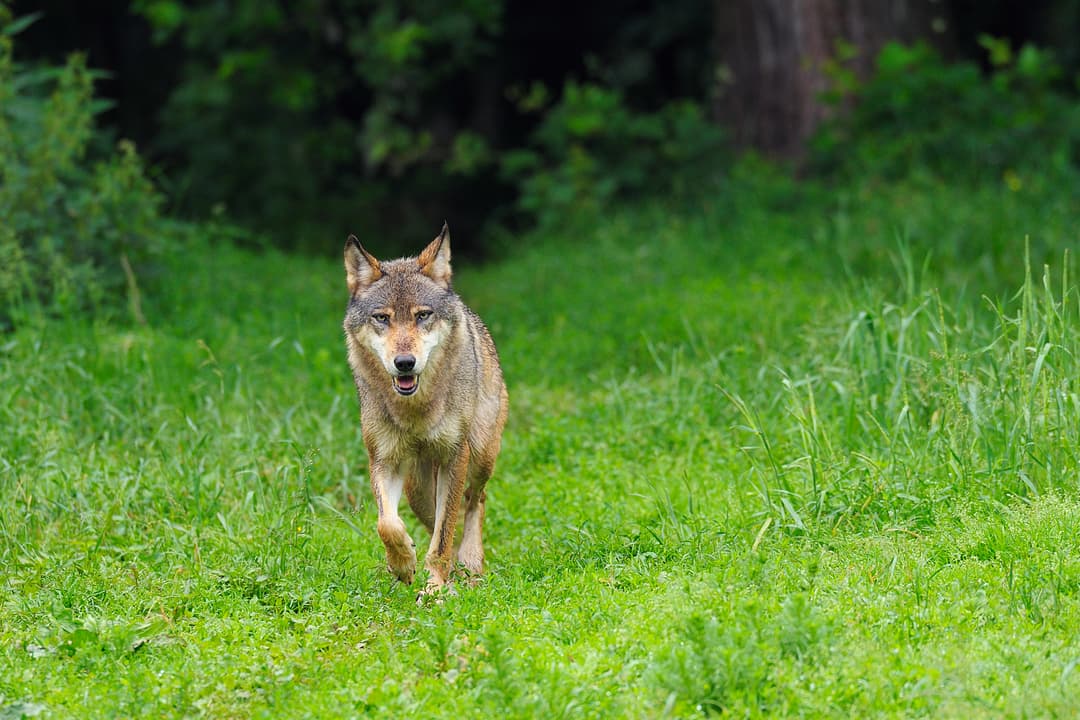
404 363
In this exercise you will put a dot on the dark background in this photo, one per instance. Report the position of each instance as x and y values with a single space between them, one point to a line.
304 120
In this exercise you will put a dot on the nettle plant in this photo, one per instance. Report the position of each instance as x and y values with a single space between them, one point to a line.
75 227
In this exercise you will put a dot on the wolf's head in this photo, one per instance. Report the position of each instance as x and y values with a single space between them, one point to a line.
399 310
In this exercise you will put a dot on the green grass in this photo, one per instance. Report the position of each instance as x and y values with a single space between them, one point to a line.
790 452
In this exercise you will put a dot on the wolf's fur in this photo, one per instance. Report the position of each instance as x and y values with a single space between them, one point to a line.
438 444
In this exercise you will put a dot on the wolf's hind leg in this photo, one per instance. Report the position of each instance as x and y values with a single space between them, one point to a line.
420 490
471 552
450 486
487 439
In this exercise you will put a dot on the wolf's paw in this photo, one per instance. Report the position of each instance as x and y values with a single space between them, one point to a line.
470 558
404 573
400 551
401 562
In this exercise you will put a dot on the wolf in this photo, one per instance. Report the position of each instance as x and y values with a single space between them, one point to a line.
432 404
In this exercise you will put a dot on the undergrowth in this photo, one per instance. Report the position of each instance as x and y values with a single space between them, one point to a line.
766 456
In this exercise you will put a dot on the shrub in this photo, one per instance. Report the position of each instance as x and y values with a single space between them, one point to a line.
919 112
302 117
591 148
73 228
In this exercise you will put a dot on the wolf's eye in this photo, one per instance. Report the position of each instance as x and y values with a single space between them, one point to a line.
381 318
423 315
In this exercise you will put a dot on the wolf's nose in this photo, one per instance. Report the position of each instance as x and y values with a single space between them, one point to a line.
404 363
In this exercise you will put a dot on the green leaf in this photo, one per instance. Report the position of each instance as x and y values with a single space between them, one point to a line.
17 25
997 48
99 106
405 43
468 154
164 15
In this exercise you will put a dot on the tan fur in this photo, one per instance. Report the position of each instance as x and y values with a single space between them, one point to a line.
437 446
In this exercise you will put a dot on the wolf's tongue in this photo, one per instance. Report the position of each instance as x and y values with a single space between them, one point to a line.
406 382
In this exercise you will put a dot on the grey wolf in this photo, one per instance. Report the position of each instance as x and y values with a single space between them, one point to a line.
432 404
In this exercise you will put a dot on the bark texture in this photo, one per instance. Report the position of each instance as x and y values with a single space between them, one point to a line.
772 54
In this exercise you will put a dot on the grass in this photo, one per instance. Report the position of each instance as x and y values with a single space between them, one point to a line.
790 452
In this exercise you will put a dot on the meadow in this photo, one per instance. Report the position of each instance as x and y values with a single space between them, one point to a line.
789 451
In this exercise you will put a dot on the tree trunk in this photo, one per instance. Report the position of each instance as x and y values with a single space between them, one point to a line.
772 56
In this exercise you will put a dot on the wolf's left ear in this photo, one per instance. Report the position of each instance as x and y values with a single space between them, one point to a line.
361 267
435 260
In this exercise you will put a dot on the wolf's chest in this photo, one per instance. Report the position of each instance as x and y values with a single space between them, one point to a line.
424 438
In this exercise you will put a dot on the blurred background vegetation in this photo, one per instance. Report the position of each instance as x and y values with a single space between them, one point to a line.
290 124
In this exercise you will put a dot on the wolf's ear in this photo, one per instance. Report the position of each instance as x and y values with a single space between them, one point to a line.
361 267
435 260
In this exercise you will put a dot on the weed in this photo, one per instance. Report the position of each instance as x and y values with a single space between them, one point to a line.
755 465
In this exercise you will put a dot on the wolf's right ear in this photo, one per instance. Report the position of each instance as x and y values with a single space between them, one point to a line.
361 267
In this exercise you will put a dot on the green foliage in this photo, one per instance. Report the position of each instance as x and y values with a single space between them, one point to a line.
373 115
726 656
909 407
726 486
591 148
404 52
296 117
354 110
919 113
69 221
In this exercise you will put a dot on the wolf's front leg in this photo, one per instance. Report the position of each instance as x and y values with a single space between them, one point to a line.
400 550
450 485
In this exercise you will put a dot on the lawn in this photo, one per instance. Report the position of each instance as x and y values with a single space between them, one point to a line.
791 452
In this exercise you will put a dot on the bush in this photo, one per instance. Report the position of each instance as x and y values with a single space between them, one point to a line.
919 113
591 148
73 229
299 118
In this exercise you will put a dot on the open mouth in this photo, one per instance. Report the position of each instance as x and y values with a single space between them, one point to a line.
405 384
